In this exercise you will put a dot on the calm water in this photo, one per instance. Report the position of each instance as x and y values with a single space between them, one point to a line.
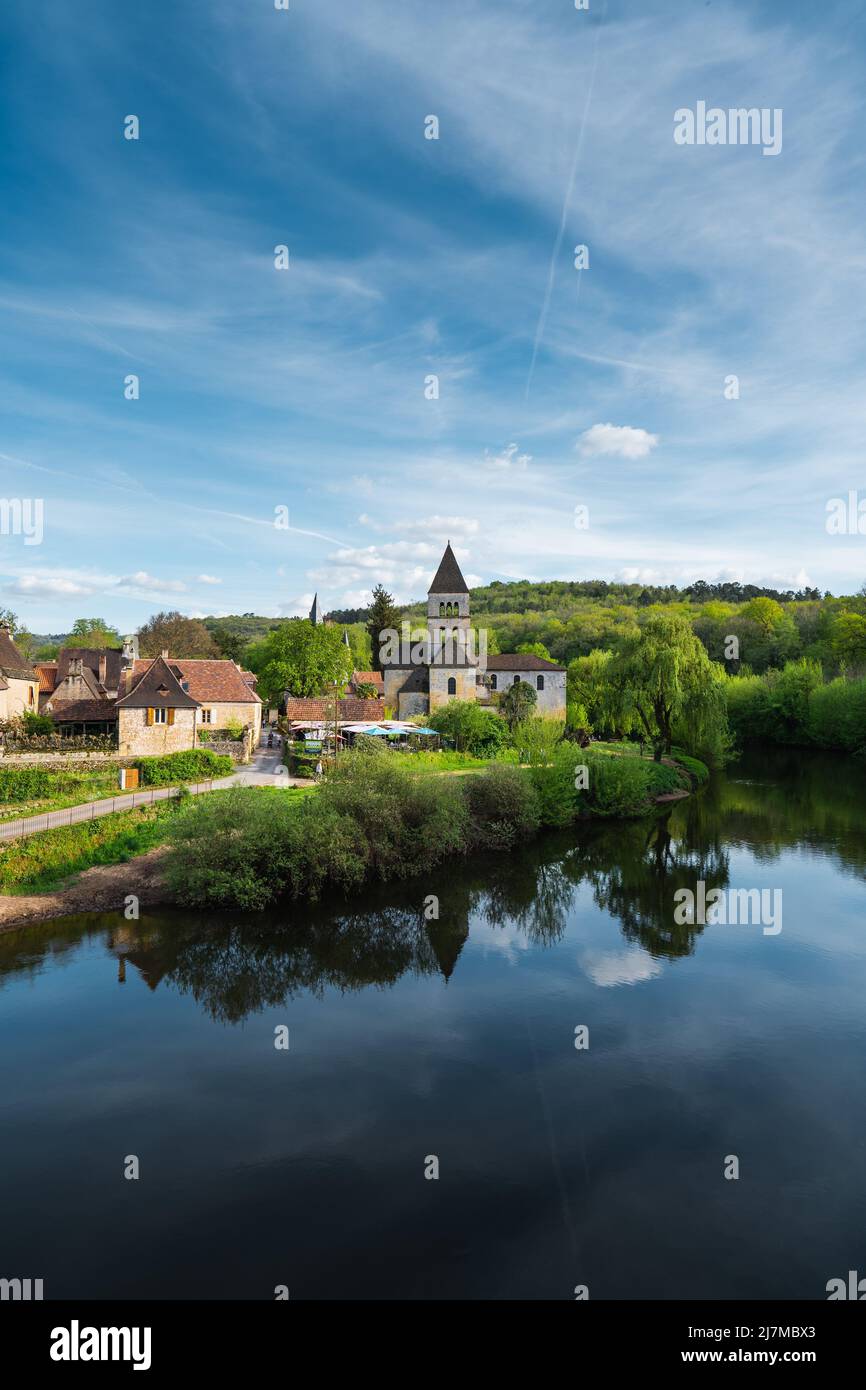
456 1039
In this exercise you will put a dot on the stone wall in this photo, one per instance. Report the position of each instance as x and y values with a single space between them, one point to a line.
66 762
439 677
550 701
135 736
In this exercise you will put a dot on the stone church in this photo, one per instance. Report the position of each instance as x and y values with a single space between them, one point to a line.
455 666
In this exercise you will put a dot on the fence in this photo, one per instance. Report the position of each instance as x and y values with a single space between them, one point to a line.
92 810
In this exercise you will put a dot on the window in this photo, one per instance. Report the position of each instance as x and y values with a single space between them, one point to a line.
452 686
539 682
516 680
160 716
442 610
492 682
206 716
30 694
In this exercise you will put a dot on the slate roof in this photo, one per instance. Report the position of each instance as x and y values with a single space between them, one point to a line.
448 579
84 711
90 658
12 663
209 682
158 687
521 661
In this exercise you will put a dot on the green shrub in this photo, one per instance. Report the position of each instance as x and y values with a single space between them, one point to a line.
503 807
554 784
193 765
617 786
24 783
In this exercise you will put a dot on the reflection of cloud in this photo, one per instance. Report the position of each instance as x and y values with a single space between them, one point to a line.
629 967
510 942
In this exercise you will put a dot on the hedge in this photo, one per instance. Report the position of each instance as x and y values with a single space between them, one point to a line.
24 783
194 765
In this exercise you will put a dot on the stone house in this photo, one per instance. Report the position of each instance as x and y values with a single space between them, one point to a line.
19 682
452 668
164 703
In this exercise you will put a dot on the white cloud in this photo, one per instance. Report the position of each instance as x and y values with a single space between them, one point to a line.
440 526
507 458
623 441
208 579
40 586
146 584
627 967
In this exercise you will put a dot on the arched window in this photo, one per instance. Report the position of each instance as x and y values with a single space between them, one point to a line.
452 686
492 682
442 610
539 682
516 680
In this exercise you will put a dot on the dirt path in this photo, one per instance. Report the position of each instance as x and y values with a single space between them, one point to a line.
100 889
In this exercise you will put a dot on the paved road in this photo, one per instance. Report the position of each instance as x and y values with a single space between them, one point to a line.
265 770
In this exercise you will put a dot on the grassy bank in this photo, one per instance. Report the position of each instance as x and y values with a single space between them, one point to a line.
40 863
374 818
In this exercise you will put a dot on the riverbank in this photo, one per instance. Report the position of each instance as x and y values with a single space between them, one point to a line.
248 846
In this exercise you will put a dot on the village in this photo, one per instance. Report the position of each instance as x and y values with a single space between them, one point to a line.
115 699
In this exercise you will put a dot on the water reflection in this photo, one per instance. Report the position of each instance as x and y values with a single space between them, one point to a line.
237 965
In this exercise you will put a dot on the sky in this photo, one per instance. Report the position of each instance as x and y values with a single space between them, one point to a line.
307 393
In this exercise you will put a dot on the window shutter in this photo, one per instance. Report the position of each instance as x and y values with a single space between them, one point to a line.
171 716
150 716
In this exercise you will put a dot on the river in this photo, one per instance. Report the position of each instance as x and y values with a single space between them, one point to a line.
414 1043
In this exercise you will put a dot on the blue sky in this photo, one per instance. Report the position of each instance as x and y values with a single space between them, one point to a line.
410 257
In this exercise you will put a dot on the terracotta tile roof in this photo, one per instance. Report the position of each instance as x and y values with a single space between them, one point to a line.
324 709
209 682
369 678
47 673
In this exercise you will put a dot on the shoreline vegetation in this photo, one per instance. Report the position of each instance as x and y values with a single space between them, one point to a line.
374 818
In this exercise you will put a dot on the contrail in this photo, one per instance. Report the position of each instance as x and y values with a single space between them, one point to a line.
551 274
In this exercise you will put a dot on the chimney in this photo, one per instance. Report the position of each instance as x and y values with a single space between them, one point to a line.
103 667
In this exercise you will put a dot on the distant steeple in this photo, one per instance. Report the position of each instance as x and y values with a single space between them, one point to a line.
316 615
448 579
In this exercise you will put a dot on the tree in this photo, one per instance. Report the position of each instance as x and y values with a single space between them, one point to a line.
848 640
230 645
7 616
535 649
93 632
303 658
178 635
471 728
517 703
766 613
383 616
662 678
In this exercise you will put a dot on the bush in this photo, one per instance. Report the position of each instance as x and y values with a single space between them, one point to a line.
554 784
24 783
36 724
503 807
193 765
617 786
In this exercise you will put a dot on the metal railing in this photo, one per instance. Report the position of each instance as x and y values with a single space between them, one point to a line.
92 810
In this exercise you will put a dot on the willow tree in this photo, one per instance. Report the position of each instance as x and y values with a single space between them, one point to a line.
661 680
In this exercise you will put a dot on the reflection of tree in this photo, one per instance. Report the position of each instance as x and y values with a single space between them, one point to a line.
635 869
237 965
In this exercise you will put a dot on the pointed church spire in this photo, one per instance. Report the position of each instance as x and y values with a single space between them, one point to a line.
316 611
448 579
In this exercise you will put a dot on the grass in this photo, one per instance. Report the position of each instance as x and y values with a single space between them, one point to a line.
43 862
68 789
